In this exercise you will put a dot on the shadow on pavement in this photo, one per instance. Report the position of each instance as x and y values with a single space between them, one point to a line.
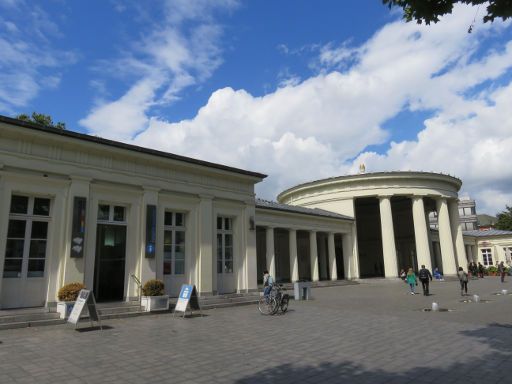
95 328
497 335
352 373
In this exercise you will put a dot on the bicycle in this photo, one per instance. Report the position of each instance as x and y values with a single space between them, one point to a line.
276 300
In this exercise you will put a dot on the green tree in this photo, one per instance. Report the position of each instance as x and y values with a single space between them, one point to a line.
430 10
41 119
505 219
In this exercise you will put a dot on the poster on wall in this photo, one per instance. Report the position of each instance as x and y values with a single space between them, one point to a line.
78 227
150 230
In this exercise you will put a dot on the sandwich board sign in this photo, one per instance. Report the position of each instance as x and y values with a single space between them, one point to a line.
85 298
187 299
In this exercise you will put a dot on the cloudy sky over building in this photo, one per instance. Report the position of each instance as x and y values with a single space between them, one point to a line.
299 90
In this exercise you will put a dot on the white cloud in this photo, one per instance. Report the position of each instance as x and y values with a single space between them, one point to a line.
26 54
170 57
319 127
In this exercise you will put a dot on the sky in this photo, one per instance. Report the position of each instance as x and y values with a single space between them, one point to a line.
298 90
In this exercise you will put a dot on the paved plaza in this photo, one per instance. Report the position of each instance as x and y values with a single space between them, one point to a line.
374 332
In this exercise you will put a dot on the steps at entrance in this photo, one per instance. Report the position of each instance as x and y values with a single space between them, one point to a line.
33 319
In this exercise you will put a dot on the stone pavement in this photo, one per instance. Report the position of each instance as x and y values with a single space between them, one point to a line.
374 332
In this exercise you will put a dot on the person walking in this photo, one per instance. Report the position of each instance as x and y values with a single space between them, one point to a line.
463 279
501 271
411 280
480 270
425 277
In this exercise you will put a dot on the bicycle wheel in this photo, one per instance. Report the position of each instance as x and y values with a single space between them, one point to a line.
276 303
284 303
266 305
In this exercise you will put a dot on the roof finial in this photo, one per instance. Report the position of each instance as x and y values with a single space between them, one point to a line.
362 168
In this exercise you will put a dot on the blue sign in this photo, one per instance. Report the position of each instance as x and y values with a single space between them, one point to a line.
186 291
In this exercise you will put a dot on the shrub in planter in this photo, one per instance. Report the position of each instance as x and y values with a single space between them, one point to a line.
492 270
67 296
153 287
70 291
154 298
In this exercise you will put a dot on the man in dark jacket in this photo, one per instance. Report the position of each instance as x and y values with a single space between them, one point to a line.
425 277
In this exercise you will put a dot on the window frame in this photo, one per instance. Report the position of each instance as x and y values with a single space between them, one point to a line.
29 218
173 228
225 231
487 256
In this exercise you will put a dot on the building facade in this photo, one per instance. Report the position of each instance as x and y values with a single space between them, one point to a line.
78 208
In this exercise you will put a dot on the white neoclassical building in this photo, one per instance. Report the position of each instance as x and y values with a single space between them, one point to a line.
78 208
391 210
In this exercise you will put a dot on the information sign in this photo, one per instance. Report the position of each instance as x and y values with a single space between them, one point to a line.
187 299
85 297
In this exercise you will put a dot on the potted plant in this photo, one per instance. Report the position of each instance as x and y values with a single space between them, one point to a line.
154 297
492 270
67 296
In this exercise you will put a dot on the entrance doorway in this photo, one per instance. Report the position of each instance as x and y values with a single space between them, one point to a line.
369 237
110 262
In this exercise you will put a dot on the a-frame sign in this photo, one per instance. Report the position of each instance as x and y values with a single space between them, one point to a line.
187 299
85 297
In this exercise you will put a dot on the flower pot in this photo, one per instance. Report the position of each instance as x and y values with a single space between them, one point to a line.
155 303
64 308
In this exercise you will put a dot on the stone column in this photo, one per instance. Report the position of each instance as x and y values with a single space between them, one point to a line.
421 233
294 262
313 252
333 269
469 252
476 255
206 264
388 237
271 252
458 241
445 238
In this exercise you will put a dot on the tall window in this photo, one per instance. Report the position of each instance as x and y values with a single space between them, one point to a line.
224 245
487 256
27 233
174 243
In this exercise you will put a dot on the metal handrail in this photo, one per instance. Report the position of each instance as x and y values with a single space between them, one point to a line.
139 284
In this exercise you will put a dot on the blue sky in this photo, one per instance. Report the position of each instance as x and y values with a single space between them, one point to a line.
299 90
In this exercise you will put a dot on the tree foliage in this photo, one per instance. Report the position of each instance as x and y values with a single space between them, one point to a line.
430 10
505 219
41 119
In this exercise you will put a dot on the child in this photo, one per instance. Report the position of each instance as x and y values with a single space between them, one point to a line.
411 280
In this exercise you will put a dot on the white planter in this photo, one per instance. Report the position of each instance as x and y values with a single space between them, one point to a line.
64 308
155 303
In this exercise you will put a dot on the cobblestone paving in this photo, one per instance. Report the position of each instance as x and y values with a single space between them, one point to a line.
374 332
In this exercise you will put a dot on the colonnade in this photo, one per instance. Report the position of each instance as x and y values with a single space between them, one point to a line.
450 235
313 254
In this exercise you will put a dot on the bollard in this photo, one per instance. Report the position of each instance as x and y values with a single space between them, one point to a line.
504 291
476 298
435 307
